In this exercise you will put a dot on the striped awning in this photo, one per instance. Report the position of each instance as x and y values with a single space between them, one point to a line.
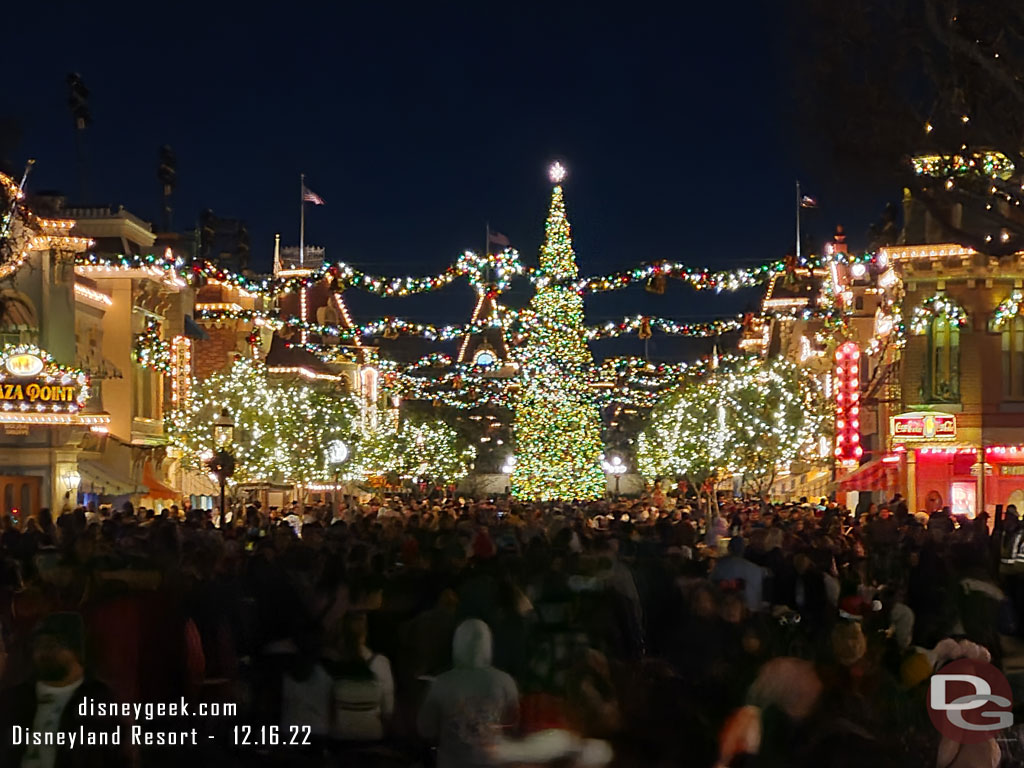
157 490
876 475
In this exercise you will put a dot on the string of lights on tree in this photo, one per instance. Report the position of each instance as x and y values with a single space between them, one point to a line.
986 174
282 426
995 165
415 450
750 418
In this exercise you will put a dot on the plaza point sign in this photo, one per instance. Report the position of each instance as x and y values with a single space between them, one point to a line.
923 425
30 381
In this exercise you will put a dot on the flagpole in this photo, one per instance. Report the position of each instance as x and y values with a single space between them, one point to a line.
302 248
798 222
302 219
487 254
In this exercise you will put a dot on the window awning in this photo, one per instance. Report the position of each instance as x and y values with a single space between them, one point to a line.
101 479
193 330
157 490
876 475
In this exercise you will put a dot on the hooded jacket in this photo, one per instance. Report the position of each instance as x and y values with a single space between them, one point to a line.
467 707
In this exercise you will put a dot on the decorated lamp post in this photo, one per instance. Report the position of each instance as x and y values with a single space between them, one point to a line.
222 464
615 467
337 453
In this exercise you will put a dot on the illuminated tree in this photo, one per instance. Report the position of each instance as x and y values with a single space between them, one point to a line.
282 427
688 434
415 450
776 411
750 419
557 421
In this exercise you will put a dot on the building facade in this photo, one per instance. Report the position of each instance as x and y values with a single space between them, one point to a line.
79 293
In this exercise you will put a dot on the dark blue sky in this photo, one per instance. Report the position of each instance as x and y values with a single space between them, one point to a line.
418 122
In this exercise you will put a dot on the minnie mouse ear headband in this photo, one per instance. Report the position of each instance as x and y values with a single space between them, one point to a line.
854 608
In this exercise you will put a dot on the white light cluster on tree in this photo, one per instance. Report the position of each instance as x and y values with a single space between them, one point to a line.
753 420
283 428
416 450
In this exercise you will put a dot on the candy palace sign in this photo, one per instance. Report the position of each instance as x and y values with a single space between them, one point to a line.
31 380
925 425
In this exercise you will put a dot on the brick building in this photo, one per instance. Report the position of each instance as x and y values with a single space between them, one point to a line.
958 434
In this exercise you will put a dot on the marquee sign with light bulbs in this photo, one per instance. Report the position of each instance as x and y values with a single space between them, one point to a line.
34 389
848 450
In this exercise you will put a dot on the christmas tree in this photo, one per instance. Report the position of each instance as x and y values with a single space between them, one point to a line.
557 420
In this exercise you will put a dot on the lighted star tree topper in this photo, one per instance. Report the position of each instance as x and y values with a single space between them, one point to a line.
557 420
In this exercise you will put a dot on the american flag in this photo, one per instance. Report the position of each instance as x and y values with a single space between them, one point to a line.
496 238
309 196
808 202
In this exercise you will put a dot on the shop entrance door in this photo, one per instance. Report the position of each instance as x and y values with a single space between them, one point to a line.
19 492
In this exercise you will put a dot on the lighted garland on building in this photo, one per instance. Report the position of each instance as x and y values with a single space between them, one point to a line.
465 386
22 231
492 271
699 279
151 350
164 263
557 420
258 316
1008 309
646 325
937 306
392 327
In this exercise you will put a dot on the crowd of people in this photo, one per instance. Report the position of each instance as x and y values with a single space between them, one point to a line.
410 631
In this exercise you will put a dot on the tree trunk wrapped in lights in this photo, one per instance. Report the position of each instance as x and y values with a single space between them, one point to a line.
557 420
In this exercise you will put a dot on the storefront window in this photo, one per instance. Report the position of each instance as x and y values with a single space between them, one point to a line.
942 376
1013 359
145 395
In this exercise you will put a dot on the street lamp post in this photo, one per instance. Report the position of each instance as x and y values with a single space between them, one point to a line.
223 462
509 467
616 467
337 452
72 479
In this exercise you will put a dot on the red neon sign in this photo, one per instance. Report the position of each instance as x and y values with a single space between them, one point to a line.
847 396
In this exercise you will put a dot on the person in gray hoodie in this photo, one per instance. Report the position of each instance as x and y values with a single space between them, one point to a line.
468 707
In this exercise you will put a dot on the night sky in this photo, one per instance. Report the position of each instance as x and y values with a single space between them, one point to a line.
417 123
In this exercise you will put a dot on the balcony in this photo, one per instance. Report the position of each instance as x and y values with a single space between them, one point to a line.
147 431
